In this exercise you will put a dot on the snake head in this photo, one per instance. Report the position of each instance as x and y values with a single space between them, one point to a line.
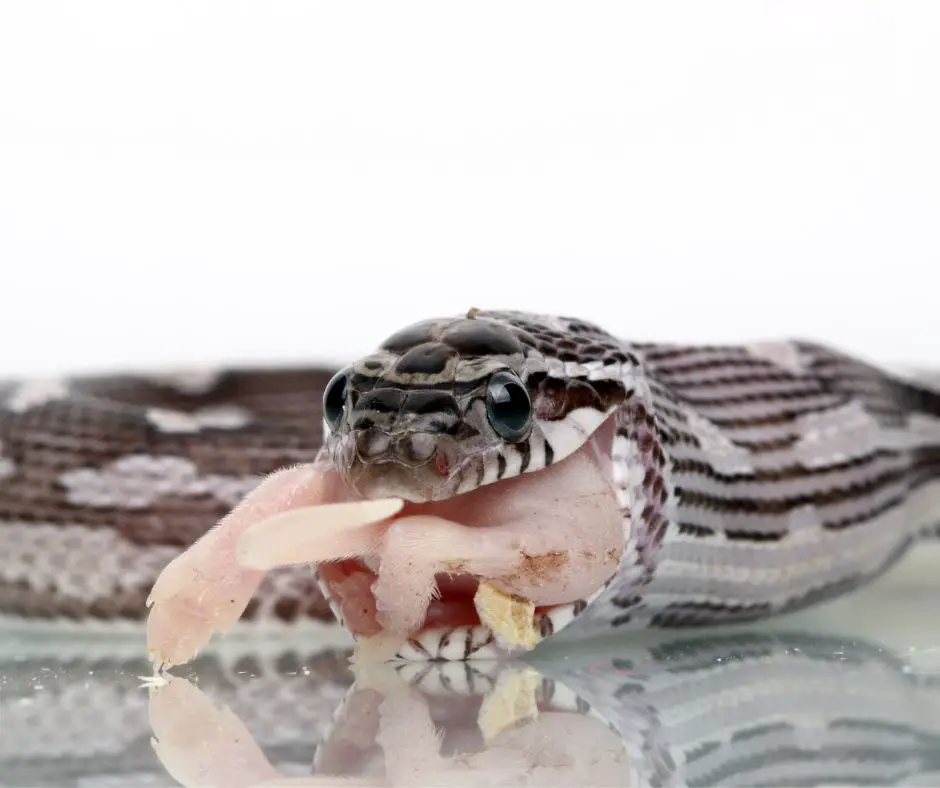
447 406
501 446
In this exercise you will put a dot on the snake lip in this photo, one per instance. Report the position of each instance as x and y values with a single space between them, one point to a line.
434 477
397 480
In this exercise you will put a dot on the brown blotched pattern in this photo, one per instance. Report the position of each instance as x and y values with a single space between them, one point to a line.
103 493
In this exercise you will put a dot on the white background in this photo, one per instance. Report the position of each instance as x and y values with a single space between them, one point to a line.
204 181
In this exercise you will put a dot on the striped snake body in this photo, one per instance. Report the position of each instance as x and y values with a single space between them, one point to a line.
751 479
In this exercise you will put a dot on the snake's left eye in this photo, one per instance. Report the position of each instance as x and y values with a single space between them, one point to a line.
508 406
334 399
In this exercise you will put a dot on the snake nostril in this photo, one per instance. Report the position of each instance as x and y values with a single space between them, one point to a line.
371 444
414 450
417 448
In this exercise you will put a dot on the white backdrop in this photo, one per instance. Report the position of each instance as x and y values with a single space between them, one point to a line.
266 181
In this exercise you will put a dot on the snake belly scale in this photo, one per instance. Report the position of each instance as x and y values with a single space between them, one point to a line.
751 479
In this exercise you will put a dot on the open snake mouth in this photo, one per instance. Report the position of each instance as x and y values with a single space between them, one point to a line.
451 626
485 572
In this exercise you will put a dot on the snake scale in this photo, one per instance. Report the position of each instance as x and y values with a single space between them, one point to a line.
751 479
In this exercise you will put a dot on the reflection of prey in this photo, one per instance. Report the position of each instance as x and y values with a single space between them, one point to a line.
74 714
390 732
747 709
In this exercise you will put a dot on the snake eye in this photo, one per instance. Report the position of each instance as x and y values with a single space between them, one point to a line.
508 407
334 399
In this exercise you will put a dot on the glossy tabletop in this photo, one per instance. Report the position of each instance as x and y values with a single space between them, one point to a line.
847 693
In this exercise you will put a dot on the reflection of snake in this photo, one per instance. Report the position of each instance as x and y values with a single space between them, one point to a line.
751 709
752 479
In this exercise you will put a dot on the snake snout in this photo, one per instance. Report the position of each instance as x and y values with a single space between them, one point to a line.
402 442
413 450
415 466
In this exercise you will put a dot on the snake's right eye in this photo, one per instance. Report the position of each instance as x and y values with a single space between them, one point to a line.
334 399
508 406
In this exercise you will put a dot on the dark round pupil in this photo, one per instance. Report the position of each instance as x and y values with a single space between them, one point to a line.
509 407
334 400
